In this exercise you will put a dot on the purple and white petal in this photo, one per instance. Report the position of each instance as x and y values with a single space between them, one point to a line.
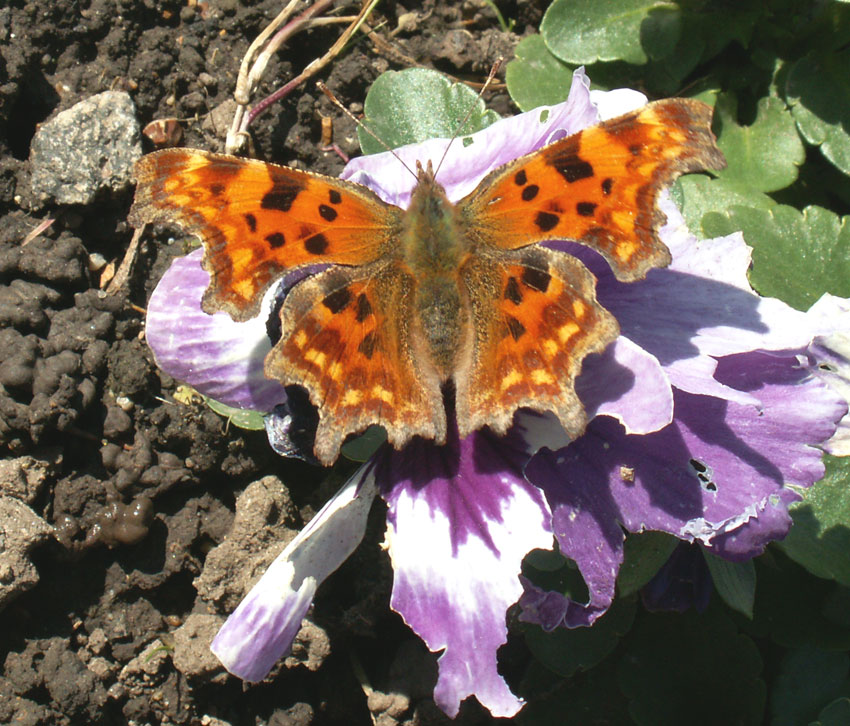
461 518
610 104
466 165
218 357
627 383
718 474
831 354
261 630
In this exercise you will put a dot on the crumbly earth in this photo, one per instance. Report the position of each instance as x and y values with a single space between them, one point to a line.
115 496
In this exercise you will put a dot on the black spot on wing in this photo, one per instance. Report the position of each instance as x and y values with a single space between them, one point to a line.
520 178
364 308
334 196
329 214
546 222
338 300
316 245
529 192
512 291
586 209
515 328
368 344
216 189
565 160
607 184
282 194
251 221
536 279
276 240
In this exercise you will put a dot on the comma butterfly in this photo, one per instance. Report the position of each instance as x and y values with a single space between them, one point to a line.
440 292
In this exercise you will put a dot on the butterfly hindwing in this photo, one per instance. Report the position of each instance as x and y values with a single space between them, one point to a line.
258 220
536 319
345 338
599 186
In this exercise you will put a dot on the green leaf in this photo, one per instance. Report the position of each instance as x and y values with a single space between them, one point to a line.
586 31
818 90
242 418
764 155
565 651
701 194
794 608
836 713
796 256
362 447
691 669
592 699
643 556
820 537
735 582
536 77
410 106
808 680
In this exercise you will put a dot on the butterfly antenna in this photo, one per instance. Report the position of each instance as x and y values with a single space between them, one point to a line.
336 102
490 77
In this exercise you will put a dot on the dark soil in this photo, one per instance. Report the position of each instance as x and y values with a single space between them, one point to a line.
127 489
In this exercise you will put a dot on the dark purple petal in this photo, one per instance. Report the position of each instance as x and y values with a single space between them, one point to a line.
718 474
682 582
461 518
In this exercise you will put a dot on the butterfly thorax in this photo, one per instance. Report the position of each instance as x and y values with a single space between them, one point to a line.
433 249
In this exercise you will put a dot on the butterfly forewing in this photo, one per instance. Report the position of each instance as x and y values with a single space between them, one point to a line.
598 187
259 220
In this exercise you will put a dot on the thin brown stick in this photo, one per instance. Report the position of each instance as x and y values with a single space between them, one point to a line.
126 266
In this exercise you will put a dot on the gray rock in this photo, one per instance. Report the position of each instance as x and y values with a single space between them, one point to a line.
90 147
20 530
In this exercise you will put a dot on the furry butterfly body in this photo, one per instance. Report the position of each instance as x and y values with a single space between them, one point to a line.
439 292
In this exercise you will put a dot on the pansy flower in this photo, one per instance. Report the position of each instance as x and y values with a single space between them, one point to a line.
707 416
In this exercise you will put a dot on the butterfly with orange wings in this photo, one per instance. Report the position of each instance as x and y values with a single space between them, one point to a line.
438 293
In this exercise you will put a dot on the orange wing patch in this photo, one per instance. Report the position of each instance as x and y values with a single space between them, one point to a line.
536 318
599 186
259 220
346 339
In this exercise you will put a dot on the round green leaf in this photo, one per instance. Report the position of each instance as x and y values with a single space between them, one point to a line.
536 77
735 582
242 418
565 650
691 669
362 447
818 89
644 554
820 537
794 608
808 680
836 713
586 31
764 155
796 256
701 195
406 107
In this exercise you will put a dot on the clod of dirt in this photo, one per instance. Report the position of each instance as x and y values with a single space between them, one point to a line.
21 529
266 520
24 476
90 147
310 649
123 523
192 655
